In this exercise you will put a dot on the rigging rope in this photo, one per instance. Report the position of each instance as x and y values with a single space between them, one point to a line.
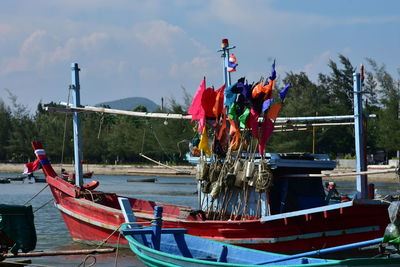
158 141
144 134
36 194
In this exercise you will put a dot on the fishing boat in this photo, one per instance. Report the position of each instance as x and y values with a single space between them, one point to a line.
17 229
288 212
142 180
156 246
18 178
4 181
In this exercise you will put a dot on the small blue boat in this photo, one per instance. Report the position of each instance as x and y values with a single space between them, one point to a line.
155 246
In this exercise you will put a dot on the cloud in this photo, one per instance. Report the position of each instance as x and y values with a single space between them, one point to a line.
38 50
195 68
74 46
319 62
33 44
157 33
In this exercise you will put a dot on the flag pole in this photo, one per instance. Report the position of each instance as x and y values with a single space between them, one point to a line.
75 86
362 181
225 56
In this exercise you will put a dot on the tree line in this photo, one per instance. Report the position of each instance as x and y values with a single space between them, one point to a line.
115 139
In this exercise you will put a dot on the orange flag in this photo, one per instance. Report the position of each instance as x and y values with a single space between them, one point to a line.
274 111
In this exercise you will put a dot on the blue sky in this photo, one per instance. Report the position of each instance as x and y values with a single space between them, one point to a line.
153 48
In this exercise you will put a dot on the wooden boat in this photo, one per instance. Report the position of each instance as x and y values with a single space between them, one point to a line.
17 229
142 180
18 178
39 179
4 181
66 175
156 246
86 210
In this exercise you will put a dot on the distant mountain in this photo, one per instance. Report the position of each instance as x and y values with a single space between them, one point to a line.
131 103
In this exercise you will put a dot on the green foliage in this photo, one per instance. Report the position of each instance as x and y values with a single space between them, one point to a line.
111 138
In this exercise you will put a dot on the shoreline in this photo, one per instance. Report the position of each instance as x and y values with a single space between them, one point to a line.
102 169
181 171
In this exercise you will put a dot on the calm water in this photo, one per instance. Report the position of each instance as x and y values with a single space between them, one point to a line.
53 235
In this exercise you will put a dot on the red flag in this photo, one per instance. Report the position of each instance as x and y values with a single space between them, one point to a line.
208 101
196 109
253 122
266 132
32 166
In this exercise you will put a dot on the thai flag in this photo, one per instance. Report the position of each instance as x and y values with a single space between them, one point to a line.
32 166
232 63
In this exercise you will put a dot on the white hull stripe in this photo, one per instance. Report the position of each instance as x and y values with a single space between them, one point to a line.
245 241
306 211
304 236
40 152
84 219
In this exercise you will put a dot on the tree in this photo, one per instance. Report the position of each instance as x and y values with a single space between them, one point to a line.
22 131
5 130
388 117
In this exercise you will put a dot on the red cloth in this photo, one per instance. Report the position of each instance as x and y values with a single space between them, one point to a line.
266 132
253 122
32 166
196 109
208 101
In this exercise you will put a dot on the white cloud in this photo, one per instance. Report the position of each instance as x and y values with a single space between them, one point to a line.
195 68
157 33
319 62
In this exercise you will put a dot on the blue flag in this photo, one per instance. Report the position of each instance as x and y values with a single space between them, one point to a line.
273 72
283 92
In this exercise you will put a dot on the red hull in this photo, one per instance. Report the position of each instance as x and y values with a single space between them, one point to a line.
95 217
94 223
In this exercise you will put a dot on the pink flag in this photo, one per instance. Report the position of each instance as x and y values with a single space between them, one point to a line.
196 109
253 122
32 166
266 132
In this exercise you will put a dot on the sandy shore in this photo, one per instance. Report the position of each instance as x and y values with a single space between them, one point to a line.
148 170
110 169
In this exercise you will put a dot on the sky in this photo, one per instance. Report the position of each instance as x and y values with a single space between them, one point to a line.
153 48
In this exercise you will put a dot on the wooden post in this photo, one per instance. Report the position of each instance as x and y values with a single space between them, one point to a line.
156 227
75 86
362 181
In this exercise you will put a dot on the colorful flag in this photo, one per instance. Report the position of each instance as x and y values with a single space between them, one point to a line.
283 92
253 122
219 101
32 166
273 72
266 104
266 132
229 96
208 101
274 111
196 109
243 118
203 145
232 63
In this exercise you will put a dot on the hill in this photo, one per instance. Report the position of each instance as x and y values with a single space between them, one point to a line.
131 103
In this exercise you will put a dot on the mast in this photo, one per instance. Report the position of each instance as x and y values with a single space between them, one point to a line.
362 181
225 55
76 102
